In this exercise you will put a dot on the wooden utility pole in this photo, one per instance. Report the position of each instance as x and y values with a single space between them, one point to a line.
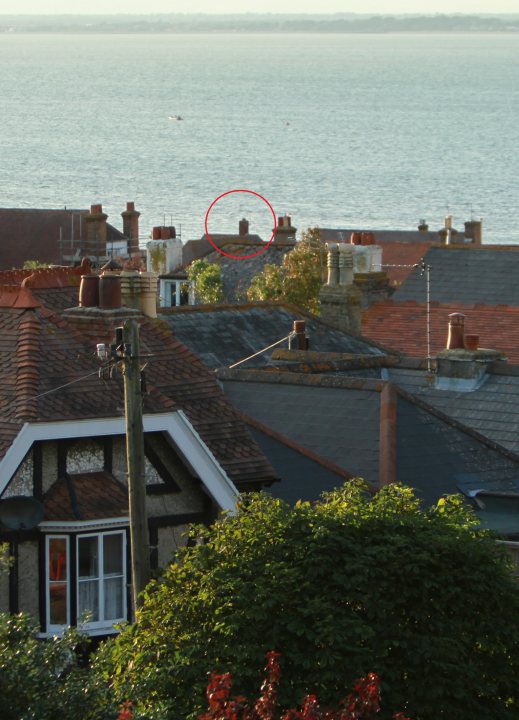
139 539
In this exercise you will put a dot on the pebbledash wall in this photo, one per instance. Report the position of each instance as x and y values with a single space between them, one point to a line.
165 507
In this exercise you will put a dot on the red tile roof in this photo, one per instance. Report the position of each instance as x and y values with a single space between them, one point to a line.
42 350
403 326
399 258
86 496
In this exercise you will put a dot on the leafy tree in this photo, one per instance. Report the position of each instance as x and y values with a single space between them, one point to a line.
34 265
42 679
207 278
298 280
347 586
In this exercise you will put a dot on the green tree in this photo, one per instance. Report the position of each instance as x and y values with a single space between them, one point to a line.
298 280
207 278
34 265
42 679
350 585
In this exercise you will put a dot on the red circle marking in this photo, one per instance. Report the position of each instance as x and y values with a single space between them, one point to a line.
229 255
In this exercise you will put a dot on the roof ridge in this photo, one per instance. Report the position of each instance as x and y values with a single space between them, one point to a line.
291 378
17 296
27 365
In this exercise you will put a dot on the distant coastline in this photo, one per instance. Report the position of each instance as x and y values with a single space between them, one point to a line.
342 23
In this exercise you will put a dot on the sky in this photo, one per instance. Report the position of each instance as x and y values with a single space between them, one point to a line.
106 7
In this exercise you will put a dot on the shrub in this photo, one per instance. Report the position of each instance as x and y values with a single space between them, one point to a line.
350 585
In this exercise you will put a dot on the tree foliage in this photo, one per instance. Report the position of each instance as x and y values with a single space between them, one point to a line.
207 278
42 679
344 587
298 280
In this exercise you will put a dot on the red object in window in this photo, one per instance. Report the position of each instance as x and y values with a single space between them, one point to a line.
56 567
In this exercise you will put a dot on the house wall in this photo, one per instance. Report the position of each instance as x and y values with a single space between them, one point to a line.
170 541
21 484
49 464
28 578
171 504
85 456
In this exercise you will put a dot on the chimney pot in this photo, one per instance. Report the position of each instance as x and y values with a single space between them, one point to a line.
356 238
455 338
299 328
130 206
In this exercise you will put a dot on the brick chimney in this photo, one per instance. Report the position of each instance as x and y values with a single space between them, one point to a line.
462 366
474 231
284 229
96 231
130 218
243 227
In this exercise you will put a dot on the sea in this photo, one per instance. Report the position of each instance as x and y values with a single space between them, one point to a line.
345 131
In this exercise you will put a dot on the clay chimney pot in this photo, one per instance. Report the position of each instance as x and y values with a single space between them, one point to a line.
455 338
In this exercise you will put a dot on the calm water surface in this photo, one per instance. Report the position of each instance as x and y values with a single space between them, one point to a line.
344 130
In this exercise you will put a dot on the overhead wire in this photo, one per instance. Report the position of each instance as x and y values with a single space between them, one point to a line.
261 351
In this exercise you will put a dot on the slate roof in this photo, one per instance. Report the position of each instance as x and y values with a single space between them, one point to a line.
492 410
403 326
303 475
41 350
196 249
86 496
33 234
224 334
237 274
435 457
481 274
335 418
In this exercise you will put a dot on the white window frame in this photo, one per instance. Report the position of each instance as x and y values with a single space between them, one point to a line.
54 628
102 624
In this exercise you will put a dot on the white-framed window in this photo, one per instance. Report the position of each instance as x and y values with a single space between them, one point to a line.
57 582
86 580
101 579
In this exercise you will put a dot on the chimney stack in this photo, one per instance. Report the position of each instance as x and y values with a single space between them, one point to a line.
130 218
243 227
462 366
474 231
340 298
284 229
423 227
96 230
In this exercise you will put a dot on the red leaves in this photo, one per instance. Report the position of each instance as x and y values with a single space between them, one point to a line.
362 704
125 712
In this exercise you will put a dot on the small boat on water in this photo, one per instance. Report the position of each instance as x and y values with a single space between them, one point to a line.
175 117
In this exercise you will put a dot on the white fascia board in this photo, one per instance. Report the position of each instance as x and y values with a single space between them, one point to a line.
59 526
176 424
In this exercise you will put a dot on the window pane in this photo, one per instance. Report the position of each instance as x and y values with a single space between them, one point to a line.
88 600
88 566
113 598
57 559
113 554
58 603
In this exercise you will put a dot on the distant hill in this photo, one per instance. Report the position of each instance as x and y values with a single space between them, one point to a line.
257 23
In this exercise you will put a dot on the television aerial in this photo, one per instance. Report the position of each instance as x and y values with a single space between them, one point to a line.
21 512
